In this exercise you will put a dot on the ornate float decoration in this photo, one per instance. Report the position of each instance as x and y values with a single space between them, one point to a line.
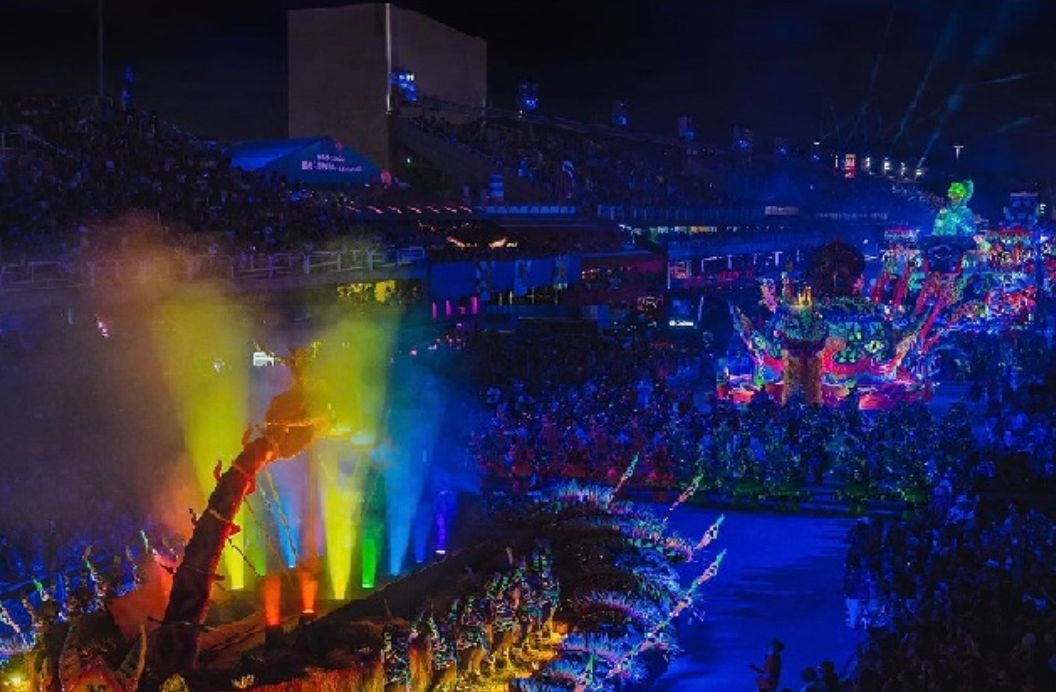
832 336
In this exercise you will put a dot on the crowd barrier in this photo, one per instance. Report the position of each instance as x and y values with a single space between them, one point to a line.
546 210
46 274
684 214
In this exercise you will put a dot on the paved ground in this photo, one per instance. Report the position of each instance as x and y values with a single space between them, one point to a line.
782 578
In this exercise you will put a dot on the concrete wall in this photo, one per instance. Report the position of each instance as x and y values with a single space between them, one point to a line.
338 76
338 67
447 64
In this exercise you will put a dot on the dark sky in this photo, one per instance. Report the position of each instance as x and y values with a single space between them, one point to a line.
800 69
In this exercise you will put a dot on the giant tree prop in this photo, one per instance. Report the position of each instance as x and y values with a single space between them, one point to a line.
290 427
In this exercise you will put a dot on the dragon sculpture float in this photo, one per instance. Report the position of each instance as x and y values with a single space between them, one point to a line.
828 335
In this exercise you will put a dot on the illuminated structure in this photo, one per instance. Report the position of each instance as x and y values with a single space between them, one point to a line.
827 339
831 337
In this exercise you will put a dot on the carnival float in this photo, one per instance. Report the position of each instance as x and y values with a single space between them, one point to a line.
831 334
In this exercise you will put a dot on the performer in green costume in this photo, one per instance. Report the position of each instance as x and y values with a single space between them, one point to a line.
956 219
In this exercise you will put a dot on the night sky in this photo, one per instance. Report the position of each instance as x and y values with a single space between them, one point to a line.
798 69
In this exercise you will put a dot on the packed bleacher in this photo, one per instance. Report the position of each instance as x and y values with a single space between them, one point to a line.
86 161
578 166
79 163
596 166
83 163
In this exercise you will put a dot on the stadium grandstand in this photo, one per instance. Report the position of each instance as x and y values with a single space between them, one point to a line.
422 171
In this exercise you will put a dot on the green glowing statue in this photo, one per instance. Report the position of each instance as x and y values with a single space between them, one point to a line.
956 219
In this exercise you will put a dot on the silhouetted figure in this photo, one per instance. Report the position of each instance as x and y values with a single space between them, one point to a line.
770 672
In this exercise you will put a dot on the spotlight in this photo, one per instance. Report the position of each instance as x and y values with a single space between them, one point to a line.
742 138
262 358
685 128
403 80
527 97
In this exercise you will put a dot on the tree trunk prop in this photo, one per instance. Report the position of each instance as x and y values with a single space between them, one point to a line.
289 429
802 374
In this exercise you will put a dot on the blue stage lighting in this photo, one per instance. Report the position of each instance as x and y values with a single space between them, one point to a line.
527 97
404 82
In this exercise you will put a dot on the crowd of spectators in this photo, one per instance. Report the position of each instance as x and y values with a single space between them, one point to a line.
81 162
80 165
956 596
598 166
955 600
584 406
585 168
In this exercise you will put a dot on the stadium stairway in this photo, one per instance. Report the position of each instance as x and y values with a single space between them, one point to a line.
462 165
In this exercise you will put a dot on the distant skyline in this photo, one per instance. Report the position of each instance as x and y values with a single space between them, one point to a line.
844 72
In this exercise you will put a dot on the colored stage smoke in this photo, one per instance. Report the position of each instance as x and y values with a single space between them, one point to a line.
369 557
407 457
309 588
203 351
404 476
272 594
352 371
445 509
341 471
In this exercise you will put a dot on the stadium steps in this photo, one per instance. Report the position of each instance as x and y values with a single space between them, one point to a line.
462 165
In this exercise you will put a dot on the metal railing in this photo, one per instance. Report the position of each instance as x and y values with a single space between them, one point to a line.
45 274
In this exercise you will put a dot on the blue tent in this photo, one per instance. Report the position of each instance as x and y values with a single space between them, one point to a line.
312 161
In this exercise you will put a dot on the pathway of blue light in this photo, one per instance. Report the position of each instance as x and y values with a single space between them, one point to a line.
782 577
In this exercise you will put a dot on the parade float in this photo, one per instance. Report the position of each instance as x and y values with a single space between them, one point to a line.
831 334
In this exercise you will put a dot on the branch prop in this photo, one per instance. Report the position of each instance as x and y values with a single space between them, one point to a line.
628 472
710 535
690 490
176 648
682 604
